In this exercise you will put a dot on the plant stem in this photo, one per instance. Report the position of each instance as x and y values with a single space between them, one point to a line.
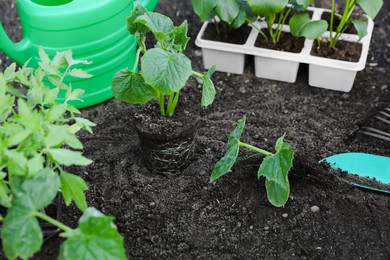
216 26
137 60
52 221
331 23
199 75
161 103
173 104
344 23
282 23
260 31
253 148
170 101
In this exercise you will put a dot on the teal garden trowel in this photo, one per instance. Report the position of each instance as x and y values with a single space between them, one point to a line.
363 164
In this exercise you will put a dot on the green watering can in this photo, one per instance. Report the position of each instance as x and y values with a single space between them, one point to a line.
94 30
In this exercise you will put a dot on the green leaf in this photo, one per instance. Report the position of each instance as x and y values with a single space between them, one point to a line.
75 94
18 138
370 7
133 27
95 238
21 234
37 192
225 164
361 28
72 140
79 73
57 82
15 92
7 103
203 8
51 95
55 113
17 163
301 5
178 37
245 14
10 72
131 87
59 60
227 10
267 8
29 118
45 62
275 169
35 165
56 135
208 93
34 96
277 193
85 124
165 71
4 195
160 25
70 61
302 26
73 188
68 157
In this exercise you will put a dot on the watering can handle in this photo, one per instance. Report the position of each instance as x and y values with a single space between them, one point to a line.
150 5
16 51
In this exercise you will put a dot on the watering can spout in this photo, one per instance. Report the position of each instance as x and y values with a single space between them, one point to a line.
16 51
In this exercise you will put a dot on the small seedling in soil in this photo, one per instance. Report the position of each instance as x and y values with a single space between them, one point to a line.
274 167
164 68
370 7
37 140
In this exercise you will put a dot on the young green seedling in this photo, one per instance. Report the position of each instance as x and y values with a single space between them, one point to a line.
37 140
164 68
370 7
274 167
275 14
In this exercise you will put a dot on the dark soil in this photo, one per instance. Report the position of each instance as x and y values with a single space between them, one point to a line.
287 43
227 34
344 50
185 217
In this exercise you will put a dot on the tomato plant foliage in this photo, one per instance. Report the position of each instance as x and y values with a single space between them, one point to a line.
37 139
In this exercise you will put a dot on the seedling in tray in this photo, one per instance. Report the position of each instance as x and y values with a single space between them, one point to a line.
274 167
370 7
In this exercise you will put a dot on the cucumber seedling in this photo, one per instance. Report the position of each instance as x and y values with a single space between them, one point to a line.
274 167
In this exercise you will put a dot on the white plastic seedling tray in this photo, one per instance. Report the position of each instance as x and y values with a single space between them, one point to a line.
283 66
